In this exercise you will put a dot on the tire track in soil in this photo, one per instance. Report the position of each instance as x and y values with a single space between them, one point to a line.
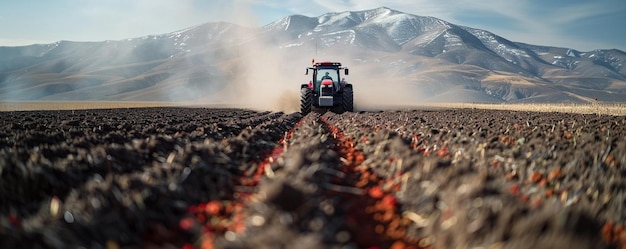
312 195
380 224
225 216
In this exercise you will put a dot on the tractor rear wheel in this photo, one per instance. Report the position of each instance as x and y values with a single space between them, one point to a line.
306 100
348 99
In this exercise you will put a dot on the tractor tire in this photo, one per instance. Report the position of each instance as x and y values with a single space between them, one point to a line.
306 100
348 99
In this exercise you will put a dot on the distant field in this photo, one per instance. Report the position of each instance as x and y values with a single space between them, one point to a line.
593 108
599 108
76 105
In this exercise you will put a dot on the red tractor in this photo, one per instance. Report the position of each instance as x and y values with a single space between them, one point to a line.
326 89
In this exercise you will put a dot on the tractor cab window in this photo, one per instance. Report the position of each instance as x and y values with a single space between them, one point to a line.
323 74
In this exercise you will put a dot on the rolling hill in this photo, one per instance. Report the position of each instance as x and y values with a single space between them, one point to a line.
393 57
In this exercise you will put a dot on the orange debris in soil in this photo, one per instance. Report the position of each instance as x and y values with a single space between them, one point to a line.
614 235
219 216
568 136
514 189
213 208
554 174
376 192
374 219
535 177
443 152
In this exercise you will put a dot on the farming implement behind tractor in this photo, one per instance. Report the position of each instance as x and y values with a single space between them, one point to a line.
326 89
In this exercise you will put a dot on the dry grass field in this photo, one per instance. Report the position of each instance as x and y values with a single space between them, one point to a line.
76 105
617 109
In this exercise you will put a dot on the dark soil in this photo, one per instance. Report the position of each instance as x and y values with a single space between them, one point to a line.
231 178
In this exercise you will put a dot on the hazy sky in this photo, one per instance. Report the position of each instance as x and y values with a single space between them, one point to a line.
580 24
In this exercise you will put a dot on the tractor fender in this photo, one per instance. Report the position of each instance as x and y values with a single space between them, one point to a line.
343 85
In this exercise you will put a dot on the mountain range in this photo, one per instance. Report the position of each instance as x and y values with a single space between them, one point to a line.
392 56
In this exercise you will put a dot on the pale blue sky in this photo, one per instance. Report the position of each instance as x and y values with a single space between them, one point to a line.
580 24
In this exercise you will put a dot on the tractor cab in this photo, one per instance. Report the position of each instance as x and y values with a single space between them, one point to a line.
326 71
326 76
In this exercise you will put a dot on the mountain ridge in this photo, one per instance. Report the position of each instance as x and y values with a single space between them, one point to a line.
425 56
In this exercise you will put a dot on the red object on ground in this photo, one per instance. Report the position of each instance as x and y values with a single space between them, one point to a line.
376 192
186 223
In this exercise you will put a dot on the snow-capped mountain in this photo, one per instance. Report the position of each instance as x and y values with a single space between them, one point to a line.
433 59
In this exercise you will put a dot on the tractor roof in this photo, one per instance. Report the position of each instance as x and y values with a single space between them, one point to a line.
327 63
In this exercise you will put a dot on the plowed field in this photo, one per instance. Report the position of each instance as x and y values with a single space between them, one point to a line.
231 178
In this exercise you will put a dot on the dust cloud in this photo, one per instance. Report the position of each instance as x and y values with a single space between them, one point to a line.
376 86
267 75
255 73
269 78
